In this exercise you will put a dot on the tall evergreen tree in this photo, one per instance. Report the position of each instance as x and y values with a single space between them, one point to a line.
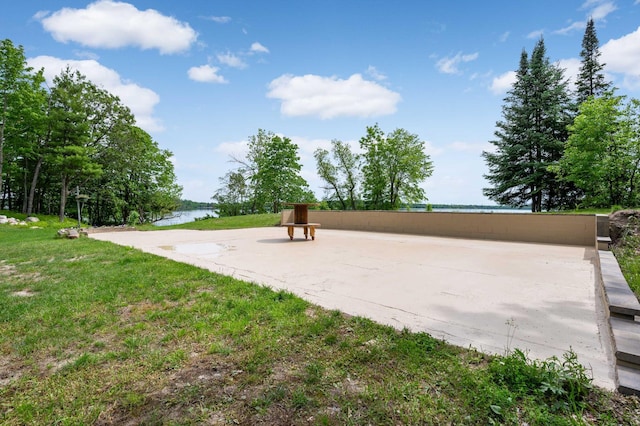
591 80
531 137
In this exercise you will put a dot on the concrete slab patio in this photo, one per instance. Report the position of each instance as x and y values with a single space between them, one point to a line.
490 295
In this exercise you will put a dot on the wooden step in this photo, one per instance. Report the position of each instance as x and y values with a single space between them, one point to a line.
628 380
626 339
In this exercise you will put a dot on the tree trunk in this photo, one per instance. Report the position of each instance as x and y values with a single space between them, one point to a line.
2 124
34 182
63 198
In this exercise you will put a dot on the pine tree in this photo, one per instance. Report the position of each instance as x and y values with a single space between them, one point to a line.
591 81
531 137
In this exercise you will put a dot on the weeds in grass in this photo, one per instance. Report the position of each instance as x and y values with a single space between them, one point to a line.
563 384
512 327
627 253
314 372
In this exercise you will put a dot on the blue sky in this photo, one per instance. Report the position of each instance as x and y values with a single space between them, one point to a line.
203 76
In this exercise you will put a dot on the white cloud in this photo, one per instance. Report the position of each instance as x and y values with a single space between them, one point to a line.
308 146
238 150
574 26
475 148
220 19
504 37
140 100
258 48
502 83
597 10
205 74
601 11
111 24
375 74
85 54
622 56
535 34
231 60
432 150
41 14
330 97
571 69
449 65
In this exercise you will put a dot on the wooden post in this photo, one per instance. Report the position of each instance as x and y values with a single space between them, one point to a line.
301 214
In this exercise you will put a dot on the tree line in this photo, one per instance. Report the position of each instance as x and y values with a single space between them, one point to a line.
75 139
560 150
385 175
554 149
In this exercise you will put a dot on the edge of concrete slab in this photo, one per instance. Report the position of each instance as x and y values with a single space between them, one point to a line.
623 309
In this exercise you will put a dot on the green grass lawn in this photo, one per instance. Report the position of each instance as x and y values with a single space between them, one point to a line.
235 222
628 256
95 333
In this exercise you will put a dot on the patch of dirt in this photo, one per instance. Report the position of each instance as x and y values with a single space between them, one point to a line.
75 259
312 312
52 365
10 370
9 270
6 269
23 293
352 386
212 390
140 310
109 229
623 222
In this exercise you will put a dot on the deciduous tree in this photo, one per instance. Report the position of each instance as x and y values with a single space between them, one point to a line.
137 176
231 198
17 80
272 170
83 117
339 169
603 151
393 168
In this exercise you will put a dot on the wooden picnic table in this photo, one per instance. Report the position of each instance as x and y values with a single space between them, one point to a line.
301 220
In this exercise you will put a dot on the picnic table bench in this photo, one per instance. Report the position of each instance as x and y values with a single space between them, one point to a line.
300 220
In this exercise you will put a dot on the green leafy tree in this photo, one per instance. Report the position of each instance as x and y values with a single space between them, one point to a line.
339 169
531 137
393 168
76 135
277 173
17 81
35 138
272 170
591 80
137 177
602 155
83 116
231 198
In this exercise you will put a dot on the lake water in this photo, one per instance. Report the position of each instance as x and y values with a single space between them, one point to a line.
185 216
191 215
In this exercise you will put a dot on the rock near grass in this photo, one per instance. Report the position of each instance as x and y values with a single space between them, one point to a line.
623 222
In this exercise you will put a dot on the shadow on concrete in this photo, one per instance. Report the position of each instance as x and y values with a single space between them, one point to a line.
283 240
